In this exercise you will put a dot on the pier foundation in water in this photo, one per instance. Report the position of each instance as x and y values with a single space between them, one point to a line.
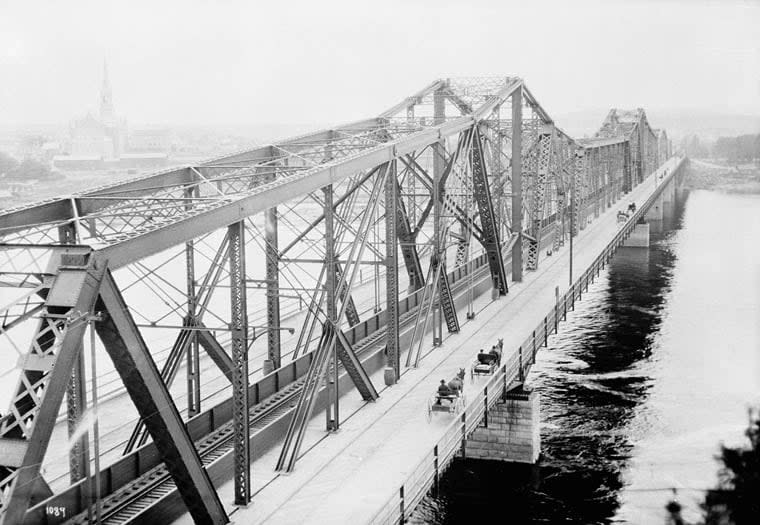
510 430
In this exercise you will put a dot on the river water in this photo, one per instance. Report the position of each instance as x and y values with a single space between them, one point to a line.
656 367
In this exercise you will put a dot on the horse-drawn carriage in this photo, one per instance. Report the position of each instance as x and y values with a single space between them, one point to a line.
622 216
487 362
449 397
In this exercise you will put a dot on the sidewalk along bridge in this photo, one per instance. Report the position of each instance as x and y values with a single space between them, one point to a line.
270 281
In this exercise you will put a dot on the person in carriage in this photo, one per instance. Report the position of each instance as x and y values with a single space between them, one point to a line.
451 390
444 392
484 358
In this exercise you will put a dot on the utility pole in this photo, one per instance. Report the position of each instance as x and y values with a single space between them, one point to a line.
572 226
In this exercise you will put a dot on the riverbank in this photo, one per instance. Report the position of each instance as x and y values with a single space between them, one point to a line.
712 175
637 390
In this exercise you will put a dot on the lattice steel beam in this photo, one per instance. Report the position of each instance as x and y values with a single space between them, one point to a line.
482 191
517 179
332 414
239 351
542 163
273 286
392 349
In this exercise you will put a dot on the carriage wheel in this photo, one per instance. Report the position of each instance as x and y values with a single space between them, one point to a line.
472 373
429 410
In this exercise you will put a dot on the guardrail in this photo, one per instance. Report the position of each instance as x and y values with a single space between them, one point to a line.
401 504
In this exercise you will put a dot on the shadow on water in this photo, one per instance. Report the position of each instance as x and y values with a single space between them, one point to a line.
592 378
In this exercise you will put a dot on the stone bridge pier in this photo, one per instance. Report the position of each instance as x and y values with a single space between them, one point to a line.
509 431
657 216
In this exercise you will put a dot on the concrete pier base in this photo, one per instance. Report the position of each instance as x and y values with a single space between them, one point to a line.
654 216
639 237
512 433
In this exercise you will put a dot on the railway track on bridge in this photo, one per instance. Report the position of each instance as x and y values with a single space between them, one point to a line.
127 504
135 501
130 503
441 166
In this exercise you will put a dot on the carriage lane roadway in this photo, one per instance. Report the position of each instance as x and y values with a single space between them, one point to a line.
346 477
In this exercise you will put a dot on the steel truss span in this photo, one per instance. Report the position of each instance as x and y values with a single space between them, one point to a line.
142 303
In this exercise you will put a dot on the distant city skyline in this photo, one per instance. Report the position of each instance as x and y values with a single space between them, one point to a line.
235 63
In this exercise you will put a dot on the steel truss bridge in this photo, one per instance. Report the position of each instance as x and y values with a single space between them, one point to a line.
258 287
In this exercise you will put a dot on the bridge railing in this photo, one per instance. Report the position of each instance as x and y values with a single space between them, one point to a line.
426 473
401 504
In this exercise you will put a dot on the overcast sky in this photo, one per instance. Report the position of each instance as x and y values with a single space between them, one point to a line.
285 61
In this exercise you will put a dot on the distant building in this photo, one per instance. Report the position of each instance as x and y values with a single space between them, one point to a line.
151 141
50 149
103 136
78 162
102 141
143 160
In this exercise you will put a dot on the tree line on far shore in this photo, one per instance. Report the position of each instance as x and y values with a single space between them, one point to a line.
27 169
736 150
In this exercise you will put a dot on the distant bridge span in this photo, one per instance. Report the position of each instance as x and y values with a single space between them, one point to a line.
302 236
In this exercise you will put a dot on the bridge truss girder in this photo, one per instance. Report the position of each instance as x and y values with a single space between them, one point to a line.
424 178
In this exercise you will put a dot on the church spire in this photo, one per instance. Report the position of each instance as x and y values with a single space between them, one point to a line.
106 101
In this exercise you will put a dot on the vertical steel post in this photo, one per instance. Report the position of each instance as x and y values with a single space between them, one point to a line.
76 394
607 178
239 328
627 169
193 377
597 178
76 404
193 357
497 173
439 253
95 423
273 289
332 413
393 359
573 230
517 208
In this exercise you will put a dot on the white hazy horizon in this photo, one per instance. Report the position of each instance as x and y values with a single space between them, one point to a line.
235 63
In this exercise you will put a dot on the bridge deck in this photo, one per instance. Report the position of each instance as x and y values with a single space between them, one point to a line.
347 477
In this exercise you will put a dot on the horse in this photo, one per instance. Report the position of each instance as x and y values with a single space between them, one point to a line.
498 347
457 383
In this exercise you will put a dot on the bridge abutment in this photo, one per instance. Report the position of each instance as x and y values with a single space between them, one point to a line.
659 216
654 215
639 237
510 431
668 204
